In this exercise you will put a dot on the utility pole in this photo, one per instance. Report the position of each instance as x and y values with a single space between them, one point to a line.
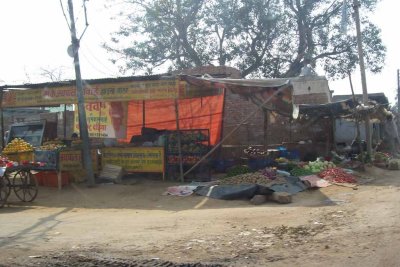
398 91
84 134
356 6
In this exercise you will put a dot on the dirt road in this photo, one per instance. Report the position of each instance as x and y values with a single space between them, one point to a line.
123 225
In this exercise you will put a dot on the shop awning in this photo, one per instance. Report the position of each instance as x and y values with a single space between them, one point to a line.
336 109
256 90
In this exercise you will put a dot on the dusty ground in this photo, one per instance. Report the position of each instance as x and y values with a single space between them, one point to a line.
124 225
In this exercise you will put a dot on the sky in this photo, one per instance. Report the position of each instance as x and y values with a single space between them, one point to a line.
35 37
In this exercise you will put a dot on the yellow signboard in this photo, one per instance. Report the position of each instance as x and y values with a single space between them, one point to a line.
104 92
105 119
71 160
135 159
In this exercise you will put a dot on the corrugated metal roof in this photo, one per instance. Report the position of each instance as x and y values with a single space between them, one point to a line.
91 81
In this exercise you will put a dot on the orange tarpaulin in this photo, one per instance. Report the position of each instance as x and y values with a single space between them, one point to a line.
195 113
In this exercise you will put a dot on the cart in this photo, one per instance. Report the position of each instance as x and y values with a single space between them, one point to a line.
20 180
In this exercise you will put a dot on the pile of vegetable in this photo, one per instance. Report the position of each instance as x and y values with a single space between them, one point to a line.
298 171
337 175
237 170
381 157
282 160
318 166
248 178
269 173
51 147
394 164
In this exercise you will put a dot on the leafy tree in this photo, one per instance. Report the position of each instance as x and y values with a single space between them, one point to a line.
269 38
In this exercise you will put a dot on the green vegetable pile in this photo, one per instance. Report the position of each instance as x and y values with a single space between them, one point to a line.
319 165
297 171
237 170
381 157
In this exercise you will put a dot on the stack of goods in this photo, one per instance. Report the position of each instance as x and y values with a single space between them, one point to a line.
17 145
318 166
248 178
394 164
51 146
381 159
237 170
298 171
337 175
254 152
282 160
194 144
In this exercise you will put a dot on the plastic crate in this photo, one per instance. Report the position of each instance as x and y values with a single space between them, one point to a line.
50 179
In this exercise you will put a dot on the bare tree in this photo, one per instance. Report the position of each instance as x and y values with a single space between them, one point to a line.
53 74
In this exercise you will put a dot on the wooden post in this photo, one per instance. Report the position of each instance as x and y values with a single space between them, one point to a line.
59 179
2 119
266 122
65 121
143 113
179 141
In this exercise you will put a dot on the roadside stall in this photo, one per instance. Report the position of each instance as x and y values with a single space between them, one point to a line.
142 124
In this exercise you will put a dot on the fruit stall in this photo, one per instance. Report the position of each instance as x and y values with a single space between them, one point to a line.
185 120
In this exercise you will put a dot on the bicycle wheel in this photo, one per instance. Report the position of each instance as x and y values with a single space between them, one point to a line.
25 185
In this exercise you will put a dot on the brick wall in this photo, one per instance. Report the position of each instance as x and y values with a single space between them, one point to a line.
236 109
280 129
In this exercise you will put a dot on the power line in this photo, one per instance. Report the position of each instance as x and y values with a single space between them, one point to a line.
99 61
94 67
65 16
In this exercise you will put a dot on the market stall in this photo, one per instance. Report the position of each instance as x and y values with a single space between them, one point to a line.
123 133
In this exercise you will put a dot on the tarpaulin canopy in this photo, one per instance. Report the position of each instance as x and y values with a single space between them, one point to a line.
345 108
336 109
195 113
257 90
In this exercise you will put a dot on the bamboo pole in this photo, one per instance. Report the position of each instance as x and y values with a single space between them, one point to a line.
179 141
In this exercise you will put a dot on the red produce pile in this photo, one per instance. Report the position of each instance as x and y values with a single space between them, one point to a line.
337 175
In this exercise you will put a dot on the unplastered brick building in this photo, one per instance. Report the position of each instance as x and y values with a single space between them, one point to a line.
267 128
